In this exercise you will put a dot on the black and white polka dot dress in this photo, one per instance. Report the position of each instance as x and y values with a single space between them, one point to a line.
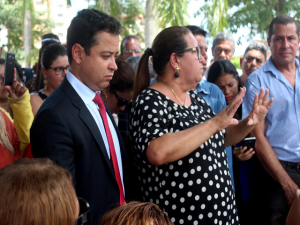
196 189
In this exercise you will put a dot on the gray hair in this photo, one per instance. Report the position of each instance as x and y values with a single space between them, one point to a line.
221 36
257 46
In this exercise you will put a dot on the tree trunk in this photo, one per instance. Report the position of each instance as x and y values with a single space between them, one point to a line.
151 27
27 36
281 5
49 8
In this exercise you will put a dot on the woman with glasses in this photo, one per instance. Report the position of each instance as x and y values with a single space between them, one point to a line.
178 141
119 92
54 68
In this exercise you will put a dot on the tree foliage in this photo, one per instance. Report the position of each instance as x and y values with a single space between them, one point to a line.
216 16
12 18
127 11
172 12
257 14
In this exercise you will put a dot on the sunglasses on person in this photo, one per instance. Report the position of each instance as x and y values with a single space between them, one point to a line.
121 102
60 69
191 49
84 212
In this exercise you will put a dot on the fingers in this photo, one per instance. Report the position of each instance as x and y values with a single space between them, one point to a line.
17 88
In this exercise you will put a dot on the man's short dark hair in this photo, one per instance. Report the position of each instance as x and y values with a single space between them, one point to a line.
282 19
125 39
196 30
85 26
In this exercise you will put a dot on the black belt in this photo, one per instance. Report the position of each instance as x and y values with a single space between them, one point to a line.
290 165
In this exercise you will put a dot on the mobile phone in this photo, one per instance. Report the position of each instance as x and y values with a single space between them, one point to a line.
249 142
9 68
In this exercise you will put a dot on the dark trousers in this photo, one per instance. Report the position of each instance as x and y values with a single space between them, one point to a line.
274 199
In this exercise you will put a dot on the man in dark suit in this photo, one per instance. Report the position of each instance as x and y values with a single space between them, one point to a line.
68 127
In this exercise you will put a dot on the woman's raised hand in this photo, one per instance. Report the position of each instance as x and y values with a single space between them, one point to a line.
17 89
225 116
260 107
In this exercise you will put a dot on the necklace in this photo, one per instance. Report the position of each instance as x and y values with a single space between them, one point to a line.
174 92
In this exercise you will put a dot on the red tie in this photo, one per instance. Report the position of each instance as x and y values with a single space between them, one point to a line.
102 110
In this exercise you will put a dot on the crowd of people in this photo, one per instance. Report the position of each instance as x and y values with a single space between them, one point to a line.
93 136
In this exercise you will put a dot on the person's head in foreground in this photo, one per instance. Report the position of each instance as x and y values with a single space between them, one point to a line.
223 73
35 192
119 92
136 213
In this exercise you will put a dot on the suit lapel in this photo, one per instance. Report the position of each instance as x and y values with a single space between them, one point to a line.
87 118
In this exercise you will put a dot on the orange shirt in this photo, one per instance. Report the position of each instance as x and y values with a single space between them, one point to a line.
5 156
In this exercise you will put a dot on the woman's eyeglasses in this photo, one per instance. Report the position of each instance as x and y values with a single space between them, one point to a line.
60 69
191 49
84 213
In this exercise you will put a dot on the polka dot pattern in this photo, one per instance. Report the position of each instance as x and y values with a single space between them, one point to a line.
195 189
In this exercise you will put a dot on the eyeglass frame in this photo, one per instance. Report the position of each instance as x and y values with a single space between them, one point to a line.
198 49
121 102
61 67
250 59
1 79
129 51
84 217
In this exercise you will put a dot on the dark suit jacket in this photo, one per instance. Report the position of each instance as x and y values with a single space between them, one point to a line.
65 131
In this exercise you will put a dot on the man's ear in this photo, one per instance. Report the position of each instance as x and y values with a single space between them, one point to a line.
241 61
269 41
77 53
174 60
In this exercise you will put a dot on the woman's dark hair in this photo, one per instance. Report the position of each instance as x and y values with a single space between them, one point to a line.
123 77
219 68
50 54
47 39
166 42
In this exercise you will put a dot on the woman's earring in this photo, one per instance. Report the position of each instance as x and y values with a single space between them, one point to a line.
176 72
105 96
45 83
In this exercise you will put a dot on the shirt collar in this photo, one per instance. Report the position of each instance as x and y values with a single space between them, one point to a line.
202 88
87 95
271 68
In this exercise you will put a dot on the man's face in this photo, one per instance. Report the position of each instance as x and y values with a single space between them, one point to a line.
223 50
203 49
253 60
132 48
284 44
97 69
